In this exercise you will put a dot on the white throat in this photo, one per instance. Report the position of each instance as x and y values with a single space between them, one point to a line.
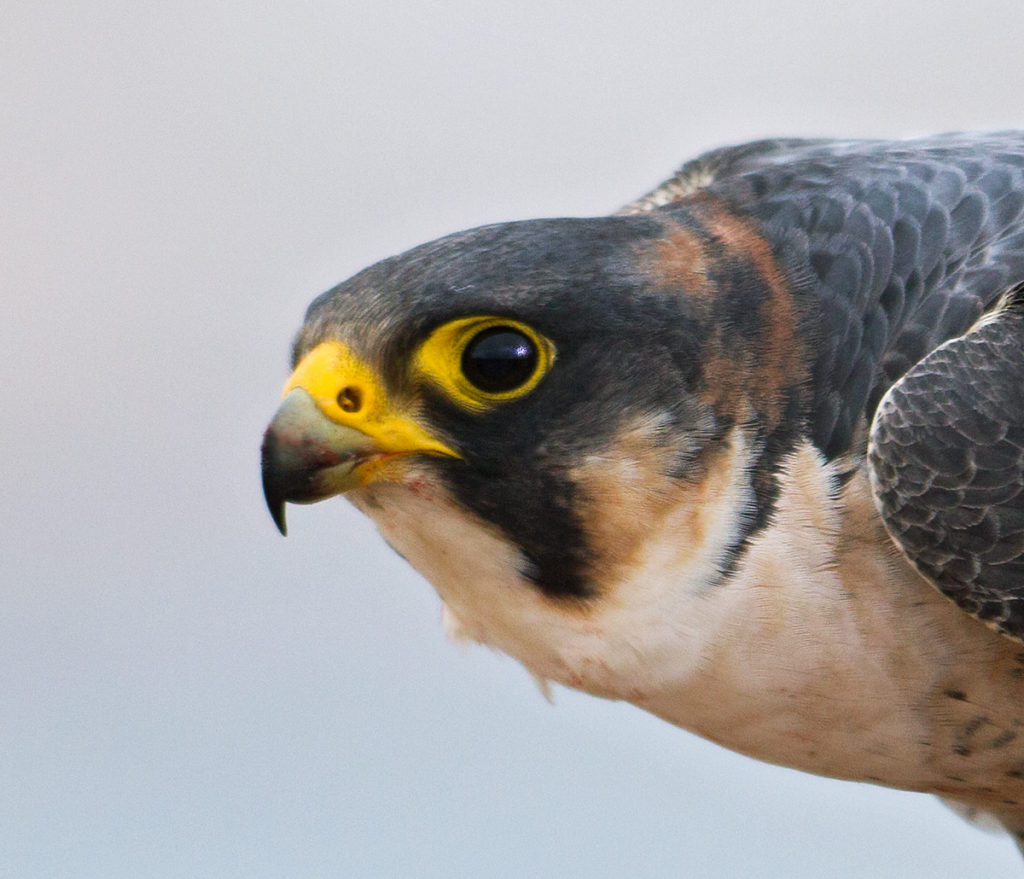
821 618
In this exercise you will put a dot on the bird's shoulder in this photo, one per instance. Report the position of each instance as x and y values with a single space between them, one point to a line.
892 247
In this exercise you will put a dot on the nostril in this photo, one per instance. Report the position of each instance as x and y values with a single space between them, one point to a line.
350 399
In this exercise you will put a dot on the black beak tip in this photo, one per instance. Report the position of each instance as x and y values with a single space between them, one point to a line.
275 504
277 514
271 489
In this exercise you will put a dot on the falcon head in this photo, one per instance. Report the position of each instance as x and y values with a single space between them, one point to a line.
536 413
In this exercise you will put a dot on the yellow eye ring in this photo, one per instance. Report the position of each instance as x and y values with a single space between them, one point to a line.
483 361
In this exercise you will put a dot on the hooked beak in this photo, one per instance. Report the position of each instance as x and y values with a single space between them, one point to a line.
306 457
333 432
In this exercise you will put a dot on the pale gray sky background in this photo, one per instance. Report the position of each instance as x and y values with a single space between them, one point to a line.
185 694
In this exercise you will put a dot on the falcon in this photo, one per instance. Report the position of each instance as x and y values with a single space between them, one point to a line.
748 454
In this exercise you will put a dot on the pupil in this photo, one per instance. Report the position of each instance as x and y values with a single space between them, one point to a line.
499 359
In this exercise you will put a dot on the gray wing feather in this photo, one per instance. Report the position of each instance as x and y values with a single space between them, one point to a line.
946 459
900 246
904 246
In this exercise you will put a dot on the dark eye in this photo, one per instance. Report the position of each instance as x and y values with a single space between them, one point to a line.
499 359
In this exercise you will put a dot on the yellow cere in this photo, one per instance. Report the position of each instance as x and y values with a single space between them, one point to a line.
439 360
349 392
